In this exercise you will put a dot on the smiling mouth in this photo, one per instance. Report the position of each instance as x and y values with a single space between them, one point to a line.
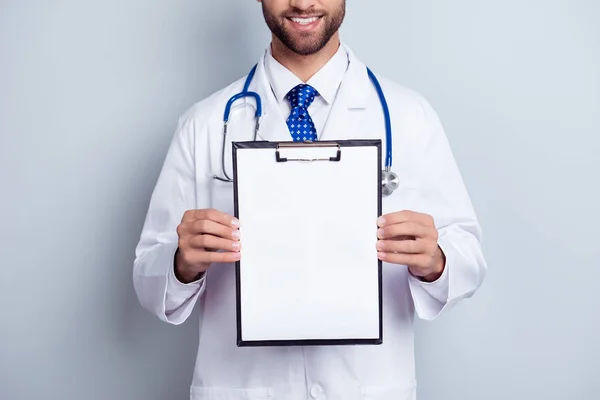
305 20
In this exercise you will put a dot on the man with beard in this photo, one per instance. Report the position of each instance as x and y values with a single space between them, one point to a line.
428 238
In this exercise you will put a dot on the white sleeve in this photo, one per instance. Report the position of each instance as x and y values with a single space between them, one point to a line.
156 286
443 195
437 291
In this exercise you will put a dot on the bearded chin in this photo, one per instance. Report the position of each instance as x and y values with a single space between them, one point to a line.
304 44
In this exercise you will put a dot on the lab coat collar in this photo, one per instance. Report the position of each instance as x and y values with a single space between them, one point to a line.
356 84
326 81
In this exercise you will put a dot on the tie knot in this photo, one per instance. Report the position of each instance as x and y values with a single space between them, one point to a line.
302 96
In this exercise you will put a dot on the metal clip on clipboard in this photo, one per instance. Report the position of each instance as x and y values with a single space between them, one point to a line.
282 146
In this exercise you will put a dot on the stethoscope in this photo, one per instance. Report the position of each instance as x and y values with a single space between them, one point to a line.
389 179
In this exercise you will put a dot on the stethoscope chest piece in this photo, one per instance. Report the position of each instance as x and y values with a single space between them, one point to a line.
389 182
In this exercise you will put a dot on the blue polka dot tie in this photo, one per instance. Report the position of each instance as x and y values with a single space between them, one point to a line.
299 122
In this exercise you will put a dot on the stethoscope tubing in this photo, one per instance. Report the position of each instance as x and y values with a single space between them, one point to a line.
388 177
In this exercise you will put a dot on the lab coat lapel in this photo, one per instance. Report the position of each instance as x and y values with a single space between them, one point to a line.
348 117
273 126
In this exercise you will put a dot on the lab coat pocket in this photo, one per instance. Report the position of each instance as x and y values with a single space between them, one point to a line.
389 392
221 393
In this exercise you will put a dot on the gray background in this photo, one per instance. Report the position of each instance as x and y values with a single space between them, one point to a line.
89 96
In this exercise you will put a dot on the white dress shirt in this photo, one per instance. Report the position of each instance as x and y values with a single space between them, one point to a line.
326 81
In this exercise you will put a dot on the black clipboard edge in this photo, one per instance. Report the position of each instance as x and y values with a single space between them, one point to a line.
312 342
235 146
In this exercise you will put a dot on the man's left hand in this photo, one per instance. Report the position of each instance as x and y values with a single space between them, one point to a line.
410 238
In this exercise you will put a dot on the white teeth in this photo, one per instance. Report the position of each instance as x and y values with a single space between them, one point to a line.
304 21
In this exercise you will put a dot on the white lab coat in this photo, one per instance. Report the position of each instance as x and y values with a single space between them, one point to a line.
430 182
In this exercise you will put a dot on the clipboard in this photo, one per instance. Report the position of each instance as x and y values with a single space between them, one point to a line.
309 274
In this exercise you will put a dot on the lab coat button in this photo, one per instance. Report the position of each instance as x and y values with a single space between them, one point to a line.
316 391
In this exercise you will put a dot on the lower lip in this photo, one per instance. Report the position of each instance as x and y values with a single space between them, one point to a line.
305 27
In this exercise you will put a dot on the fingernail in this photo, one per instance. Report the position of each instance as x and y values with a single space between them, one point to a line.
235 222
237 256
380 232
380 245
380 221
236 245
235 234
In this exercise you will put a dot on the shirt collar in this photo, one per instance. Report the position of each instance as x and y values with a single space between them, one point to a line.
326 81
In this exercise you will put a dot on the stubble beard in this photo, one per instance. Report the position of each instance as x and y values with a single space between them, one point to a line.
305 44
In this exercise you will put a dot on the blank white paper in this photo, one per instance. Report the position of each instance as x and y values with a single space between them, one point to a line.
309 267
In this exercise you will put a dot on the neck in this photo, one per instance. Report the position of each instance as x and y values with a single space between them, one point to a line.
304 67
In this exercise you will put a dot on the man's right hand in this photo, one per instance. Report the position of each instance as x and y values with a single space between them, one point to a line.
205 237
